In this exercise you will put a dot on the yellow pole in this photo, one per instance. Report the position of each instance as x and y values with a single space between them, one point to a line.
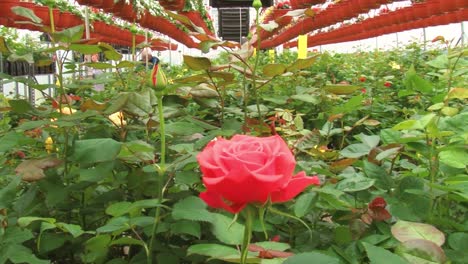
302 47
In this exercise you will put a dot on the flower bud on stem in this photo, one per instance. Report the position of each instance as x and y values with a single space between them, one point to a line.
257 4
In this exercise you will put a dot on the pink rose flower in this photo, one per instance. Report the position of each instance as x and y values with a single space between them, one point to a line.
249 169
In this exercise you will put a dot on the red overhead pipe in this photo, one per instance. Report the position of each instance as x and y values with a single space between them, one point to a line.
297 4
323 19
430 13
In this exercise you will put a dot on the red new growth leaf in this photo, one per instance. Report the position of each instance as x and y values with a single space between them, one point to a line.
377 209
268 254
378 202
55 104
275 238
75 97
20 154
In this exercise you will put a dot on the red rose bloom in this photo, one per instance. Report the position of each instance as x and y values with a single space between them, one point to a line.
387 84
362 79
249 169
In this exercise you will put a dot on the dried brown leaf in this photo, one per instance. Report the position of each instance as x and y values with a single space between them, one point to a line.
33 170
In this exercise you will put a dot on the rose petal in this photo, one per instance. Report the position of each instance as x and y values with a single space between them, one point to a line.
252 160
244 186
295 186
216 201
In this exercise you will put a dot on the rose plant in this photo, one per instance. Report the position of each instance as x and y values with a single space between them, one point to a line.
249 170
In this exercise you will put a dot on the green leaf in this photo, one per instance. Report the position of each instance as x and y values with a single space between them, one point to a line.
25 221
118 209
303 204
96 150
456 158
99 65
128 241
350 106
206 45
226 231
379 255
458 240
458 93
139 103
117 223
96 173
125 64
51 242
420 251
109 52
414 82
15 235
355 184
372 141
312 257
69 35
3 47
28 57
27 13
388 153
197 63
191 208
272 70
226 76
449 111
96 249
404 231
85 49
13 139
458 123
343 235
407 125
74 230
270 245
436 107
198 78
136 151
390 136
183 128
212 250
187 227
147 203
331 198
203 90
21 254
341 89
355 150
187 177
8 193
20 106
142 221
301 64
273 261
308 98
277 99
383 179
375 239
